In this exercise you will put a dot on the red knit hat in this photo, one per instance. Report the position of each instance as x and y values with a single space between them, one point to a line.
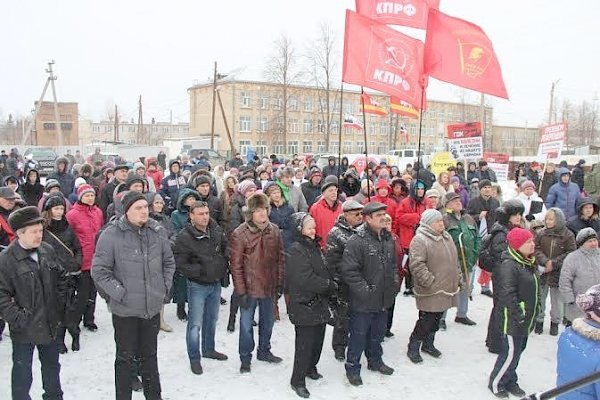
83 189
517 237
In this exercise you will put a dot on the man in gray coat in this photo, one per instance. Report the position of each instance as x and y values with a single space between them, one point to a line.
133 270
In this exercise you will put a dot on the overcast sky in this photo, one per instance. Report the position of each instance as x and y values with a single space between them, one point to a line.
111 51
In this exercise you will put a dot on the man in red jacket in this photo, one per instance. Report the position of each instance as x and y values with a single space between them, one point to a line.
382 195
326 210
408 215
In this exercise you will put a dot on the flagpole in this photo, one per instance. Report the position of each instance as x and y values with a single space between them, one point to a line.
419 159
341 125
362 101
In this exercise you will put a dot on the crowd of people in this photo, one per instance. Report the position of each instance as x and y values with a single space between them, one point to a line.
336 243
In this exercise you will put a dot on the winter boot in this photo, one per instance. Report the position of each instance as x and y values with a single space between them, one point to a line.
136 384
429 348
181 314
163 325
60 339
539 327
75 343
442 325
413 353
2 325
553 329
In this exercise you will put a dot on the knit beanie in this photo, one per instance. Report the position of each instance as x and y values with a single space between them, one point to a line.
51 183
584 235
430 216
83 189
527 184
129 198
245 186
517 237
589 302
269 186
79 181
54 200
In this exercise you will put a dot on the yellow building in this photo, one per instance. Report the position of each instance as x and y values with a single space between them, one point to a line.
254 114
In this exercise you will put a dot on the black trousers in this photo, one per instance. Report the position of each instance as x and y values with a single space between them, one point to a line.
341 330
136 340
504 374
309 343
428 322
86 298
390 316
494 332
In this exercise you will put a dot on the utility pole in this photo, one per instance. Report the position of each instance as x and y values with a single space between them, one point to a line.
551 110
214 95
116 134
52 78
140 127
482 119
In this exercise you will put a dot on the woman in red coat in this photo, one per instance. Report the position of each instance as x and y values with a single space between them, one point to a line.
383 191
326 210
86 219
408 215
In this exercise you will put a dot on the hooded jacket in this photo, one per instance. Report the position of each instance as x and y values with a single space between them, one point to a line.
180 216
32 193
172 184
311 192
325 217
280 216
580 271
330 169
563 195
86 222
408 215
336 243
65 179
577 223
554 244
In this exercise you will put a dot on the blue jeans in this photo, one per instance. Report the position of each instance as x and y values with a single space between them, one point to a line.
203 300
21 380
366 334
266 319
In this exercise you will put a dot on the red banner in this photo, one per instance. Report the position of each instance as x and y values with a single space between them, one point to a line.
403 108
466 130
381 58
459 52
371 106
411 13
498 158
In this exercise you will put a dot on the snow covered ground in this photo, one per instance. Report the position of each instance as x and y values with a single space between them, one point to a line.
461 373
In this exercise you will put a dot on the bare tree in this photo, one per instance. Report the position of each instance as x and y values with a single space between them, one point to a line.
322 56
282 69
583 122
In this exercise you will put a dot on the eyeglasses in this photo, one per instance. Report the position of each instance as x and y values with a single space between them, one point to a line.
357 214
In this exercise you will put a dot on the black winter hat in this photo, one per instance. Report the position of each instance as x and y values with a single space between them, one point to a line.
129 198
330 180
298 220
513 207
121 166
485 182
133 179
54 200
23 217
201 180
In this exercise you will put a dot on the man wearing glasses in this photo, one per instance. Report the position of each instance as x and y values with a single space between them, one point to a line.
8 200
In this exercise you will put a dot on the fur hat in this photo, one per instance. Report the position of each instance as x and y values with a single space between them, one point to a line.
54 200
129 198
23 217
517 237
584 235
589 302
83 189
253 203
202 180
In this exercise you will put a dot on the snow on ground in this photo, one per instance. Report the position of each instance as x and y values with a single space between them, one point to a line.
461 373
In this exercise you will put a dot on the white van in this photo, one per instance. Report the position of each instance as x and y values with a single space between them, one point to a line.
401 157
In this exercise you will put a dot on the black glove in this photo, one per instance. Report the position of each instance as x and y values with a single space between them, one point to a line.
279 292
243 301
529 217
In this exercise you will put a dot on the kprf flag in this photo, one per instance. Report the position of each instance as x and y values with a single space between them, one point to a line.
459 52
378 57
411 13
350 121
372 106
403 108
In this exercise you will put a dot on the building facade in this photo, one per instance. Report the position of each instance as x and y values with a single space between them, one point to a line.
515 140
255 116
151 134
45 131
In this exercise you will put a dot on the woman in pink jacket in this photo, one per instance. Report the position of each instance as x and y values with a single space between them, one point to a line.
86 219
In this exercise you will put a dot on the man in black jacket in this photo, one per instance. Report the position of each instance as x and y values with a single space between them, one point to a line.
369 270
201 256
202 185
344 228
106 197
32 291
484 206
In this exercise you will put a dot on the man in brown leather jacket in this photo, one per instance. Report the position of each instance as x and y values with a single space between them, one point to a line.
256 264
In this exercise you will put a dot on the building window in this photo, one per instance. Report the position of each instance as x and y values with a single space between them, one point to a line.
279 124
293 126
382 149
384 128
245 124
245 99
278 148
264 102
277 103
307 147
96 129
261 148
263 124
372 146
308 104
348 108
308 126
245 146
321 126
154 129
293 104
165 130
333 146
335 106
334 127
322 105
360 146
347 147
321 147
292 147
49 126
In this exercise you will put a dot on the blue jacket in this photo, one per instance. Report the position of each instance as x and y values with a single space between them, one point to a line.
280 216
578 356
563 195
171 184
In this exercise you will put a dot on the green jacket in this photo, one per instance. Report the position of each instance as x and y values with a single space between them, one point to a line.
470 238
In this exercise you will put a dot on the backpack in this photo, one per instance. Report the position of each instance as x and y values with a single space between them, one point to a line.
589 183
487 259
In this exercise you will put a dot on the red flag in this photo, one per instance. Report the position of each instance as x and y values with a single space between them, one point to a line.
381 58
459 52
403 108
372 106
411 13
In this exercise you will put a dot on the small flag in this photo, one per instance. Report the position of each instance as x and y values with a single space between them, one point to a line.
350 121
372 106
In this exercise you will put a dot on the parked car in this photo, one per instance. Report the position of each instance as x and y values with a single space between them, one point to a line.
213 157
45 158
